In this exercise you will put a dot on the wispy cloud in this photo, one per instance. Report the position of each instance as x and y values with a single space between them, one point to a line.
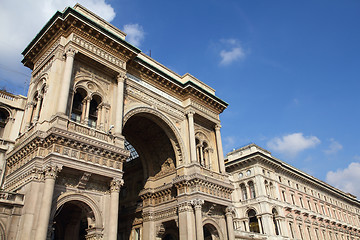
292 144
135 34
333 147
229 143
231 51
346 179
21 20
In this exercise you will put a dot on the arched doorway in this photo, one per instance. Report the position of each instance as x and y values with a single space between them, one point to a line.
72 220
151 143
210 232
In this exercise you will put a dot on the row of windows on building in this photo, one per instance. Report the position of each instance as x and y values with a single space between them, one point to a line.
298 231
313 193
313 205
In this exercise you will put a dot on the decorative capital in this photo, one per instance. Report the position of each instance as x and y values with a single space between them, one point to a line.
217 127
116 184
229 211
190 113
121 76
51 170
71 52
197 203
184 207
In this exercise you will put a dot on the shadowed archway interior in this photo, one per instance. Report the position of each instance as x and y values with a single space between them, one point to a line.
147 137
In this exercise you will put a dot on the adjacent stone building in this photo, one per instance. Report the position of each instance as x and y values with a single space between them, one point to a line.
274 200
110 144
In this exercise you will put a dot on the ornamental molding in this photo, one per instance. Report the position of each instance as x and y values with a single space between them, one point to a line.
99 52
66 143
82 71
199 183
142 96
51 170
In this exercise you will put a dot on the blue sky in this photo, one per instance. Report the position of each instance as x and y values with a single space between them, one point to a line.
288 69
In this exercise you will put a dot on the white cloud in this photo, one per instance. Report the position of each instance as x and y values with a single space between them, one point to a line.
292 144
346 179
135 34
334 147
233 51
229 143
21 20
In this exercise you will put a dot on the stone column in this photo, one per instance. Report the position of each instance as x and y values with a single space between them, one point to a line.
198 218
29 112
115 186
87 111
186 224
83 111
260 225
192 141
202 162
50 171
148 226
65 85
219 148
268 224
120 103
102 123
229 222
30 205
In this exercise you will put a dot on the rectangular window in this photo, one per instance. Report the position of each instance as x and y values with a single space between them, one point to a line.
292 199
291 230
284 198
301 202
309 205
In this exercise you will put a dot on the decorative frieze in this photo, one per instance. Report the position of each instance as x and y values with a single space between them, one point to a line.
98 51
141 95
199 183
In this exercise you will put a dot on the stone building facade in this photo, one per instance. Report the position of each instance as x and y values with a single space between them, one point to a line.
110 144
274 200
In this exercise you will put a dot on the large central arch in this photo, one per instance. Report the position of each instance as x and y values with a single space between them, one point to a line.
158 150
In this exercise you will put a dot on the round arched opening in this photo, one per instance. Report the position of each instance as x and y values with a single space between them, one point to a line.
72 220
149 139
210 232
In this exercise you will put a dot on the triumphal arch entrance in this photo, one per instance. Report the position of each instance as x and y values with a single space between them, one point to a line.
113 144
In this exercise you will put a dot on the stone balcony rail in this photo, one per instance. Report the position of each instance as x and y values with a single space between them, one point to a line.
7 96
88 131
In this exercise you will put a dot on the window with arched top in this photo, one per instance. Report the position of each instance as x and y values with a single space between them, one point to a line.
93 112
275 221
252 189
79 106
4 118
243 192
253 221
203 152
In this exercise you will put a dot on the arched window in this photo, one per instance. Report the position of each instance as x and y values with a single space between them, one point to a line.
253 222
275 221
243 192
4 118
252 190
267 190
79 106
93 112
203 153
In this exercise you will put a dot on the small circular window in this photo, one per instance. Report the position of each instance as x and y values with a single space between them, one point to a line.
248 172
241 175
